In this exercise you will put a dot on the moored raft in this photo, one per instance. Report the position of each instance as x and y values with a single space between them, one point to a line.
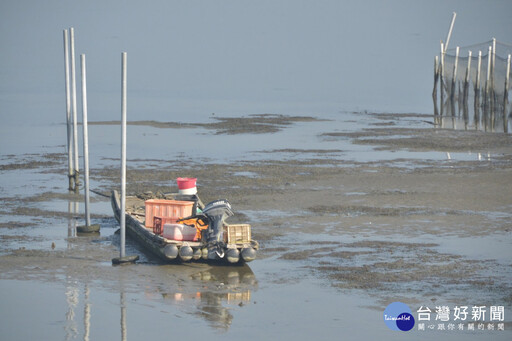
214 240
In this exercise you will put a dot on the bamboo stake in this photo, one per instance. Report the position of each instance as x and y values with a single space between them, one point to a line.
466 88
462 99
487 81
436 75
436 78
68 111
466 80
74 110
441 80
493 64
493 85
450 31
505 97
478 68
477 90
454 78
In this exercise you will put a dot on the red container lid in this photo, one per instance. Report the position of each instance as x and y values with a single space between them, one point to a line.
186 183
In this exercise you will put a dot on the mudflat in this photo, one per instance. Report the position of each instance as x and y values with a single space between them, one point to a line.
411 229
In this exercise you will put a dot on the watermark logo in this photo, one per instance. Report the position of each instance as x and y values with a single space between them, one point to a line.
398 316
462 317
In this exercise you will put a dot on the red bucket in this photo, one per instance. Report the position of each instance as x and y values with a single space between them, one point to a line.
187 185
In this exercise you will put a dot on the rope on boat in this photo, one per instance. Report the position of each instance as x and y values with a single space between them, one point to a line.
99 193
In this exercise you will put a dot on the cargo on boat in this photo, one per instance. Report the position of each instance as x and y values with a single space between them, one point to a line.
184 229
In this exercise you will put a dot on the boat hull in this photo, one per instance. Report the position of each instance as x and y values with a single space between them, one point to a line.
178 251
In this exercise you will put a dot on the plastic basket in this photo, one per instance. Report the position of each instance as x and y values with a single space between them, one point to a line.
237 233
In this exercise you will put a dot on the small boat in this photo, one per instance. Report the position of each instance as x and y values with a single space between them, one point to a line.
214 241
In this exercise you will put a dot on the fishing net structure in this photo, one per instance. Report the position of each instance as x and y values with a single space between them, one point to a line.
474 82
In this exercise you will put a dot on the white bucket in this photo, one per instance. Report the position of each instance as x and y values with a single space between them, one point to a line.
188 191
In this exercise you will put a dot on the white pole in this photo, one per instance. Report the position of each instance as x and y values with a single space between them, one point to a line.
73 98
478 68
493 63
436 75
68 110
488 76
436 78
466 80
455 65
441 83
86 140
507 78
468 69
450 31
505 96
123 152
454 80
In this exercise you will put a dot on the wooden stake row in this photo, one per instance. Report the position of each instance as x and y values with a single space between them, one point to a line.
488 104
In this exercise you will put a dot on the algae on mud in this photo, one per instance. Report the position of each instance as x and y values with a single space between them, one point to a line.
374 228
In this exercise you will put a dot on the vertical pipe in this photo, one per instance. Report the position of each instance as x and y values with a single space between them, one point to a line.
487 87
493 82
477 90
436 75
454 79
123 152
450 31
466 87
441 81
488 76
466 80
505 96
436 78
68 111
478 68
74 110
86 140
493 67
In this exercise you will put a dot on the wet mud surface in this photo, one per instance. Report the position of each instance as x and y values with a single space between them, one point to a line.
252 124
379 228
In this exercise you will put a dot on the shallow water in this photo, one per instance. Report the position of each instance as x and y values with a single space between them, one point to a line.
271 298
290 58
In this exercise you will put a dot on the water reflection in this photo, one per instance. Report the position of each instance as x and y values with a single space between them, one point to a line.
206 293
72 213
72 300
123 316
464 117
220 288
87 314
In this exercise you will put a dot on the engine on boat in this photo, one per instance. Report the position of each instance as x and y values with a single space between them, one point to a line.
217 211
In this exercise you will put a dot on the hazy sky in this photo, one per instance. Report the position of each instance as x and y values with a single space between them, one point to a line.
353 54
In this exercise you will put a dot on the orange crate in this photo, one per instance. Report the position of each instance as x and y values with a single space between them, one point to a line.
167 208
237 233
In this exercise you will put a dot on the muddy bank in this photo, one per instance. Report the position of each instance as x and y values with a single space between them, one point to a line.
443 140
376 226
252 124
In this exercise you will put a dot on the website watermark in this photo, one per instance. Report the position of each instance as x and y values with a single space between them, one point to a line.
461 317
398 316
